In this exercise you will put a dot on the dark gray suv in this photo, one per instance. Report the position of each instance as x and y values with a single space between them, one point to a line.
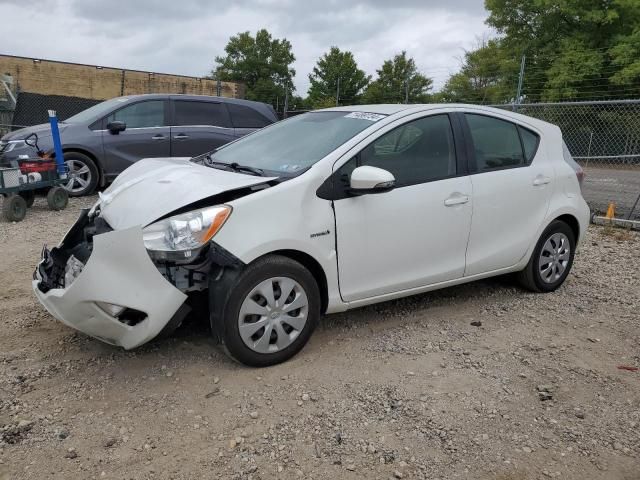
102 141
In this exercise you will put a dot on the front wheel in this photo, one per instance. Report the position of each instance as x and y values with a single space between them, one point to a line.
82 175
268 313
14 208
551 260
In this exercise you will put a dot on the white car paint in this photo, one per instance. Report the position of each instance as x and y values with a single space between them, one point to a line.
370 248
121 273
152 188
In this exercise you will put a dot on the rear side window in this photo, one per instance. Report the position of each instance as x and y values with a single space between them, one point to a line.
529 143
200 113
496 143
247 117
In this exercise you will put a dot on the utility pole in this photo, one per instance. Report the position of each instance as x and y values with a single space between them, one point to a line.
520 79
338 93
406 90
286 100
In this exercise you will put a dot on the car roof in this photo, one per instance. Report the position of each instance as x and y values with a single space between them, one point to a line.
263 108
406 109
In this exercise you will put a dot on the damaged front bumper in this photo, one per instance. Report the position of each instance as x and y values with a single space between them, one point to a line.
119 296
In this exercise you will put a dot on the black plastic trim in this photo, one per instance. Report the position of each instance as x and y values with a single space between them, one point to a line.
223 258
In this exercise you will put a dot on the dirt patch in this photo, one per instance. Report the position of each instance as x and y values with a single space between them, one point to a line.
477 381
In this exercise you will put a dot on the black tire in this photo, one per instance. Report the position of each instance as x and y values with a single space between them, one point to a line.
14 208
80 159
227 299
57 198
29 197
531 278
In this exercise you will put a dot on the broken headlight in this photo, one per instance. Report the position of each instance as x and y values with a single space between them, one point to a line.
181 237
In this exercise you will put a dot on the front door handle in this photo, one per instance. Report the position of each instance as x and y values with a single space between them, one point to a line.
541 180
158 137
456 199
180 136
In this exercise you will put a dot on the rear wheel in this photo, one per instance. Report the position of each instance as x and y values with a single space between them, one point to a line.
82 175
57 198
551 260
269 312
14 208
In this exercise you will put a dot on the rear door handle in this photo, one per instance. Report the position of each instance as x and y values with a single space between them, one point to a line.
456 199
541 180
180 136
158 137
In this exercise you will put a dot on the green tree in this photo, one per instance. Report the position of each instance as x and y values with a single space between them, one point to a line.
398 80
626 56
575 49
488 75
298 103
262 62
336 70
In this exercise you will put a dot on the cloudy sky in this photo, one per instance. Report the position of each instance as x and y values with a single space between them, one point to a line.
184 36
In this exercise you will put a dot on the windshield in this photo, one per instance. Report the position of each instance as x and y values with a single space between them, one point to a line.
97 111
291 146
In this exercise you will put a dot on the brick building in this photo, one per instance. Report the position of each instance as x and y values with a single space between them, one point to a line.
51 81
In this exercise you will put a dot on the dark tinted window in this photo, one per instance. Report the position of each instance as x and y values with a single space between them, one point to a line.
200 113
141 114
529 143
417 152
247 117
496 143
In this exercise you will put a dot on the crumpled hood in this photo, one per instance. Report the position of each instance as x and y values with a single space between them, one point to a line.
154 187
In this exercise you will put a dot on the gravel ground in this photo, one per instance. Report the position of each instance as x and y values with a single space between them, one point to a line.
476 381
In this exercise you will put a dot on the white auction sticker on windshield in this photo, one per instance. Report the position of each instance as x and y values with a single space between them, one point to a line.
372 117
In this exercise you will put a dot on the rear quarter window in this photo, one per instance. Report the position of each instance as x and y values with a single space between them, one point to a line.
530 143
246 117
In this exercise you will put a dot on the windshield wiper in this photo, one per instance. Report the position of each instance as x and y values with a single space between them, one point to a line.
246 168
236 167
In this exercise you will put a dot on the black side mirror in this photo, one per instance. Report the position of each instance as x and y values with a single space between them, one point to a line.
116 127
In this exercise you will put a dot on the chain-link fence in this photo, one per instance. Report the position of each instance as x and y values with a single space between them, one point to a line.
604 137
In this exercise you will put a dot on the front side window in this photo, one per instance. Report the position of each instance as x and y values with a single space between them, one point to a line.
416 152
141 114
200 113
496 143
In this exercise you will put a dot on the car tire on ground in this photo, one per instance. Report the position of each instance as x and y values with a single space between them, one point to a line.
83 174
551 260
14 208
29 197
57 198
268 311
